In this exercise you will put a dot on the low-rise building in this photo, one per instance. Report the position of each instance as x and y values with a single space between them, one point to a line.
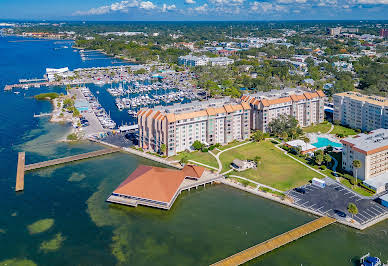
178 126
190 60
372 151
157 187
356 110
304 147
306 106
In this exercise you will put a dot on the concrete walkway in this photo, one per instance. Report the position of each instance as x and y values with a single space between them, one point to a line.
335 168
208 166
257 183
331 129
217 156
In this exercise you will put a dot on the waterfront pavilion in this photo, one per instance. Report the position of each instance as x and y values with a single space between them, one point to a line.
158 187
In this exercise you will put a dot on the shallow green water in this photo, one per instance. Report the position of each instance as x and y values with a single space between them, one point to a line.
204 225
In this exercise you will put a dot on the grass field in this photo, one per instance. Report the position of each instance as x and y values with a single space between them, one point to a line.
201 157
343 130
323 128
276 169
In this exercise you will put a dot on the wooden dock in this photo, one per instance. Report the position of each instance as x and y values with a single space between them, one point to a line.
276 242
22 167
20 172
70 159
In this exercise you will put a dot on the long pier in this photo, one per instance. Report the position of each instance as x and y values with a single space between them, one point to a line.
70 159
22 167
276 242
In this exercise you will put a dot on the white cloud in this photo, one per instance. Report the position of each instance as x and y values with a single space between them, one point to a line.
121 6
189 2
201 9
166 7
291 1
266 7
147 5
227 2
372 2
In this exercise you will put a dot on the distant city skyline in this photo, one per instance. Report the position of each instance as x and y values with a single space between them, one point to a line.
194 10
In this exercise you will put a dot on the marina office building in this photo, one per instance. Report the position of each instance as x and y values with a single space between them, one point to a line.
356 110
372 151
178 126
306 106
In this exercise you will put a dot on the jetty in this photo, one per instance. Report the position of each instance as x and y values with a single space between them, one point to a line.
42 114
276 242
22 167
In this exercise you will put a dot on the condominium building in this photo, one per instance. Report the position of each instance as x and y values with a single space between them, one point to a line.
372 151
306 106
178 126
190 60
356 110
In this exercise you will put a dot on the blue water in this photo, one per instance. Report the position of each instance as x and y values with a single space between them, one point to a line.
203 226
324 142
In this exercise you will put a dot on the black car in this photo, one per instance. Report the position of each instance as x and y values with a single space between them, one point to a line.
340 213
300 190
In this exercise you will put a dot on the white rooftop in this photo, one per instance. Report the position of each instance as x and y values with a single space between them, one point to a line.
377 181
303 145
367 142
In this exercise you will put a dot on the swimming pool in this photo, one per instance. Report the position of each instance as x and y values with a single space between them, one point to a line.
323 142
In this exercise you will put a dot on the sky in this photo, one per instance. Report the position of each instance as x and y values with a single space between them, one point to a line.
194 10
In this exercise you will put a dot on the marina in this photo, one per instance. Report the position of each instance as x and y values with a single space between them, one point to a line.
229 220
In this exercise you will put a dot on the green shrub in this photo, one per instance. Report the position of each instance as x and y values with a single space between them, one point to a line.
45 96
72 137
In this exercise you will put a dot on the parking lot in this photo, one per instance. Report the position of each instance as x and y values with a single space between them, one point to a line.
333 201
121 139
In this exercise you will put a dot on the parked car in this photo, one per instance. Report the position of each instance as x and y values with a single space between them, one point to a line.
300 190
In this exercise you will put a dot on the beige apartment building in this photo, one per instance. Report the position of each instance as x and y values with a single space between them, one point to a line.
306 106
356 110
178 126
372 151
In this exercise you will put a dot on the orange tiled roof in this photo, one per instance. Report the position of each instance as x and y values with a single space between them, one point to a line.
170 118
228 108
320 93
265 102
211 111
246 106
154 183
156 114
279 100
193 170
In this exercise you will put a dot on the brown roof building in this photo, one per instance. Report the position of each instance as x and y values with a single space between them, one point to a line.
179 126
306 106
154 186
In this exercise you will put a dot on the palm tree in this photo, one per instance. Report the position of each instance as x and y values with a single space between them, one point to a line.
356 164
352 209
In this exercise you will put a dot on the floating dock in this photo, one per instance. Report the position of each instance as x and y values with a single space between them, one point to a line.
276 242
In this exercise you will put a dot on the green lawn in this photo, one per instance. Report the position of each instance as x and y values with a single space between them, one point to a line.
201 157
356 189
232 144
323 128
276 169
343 130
